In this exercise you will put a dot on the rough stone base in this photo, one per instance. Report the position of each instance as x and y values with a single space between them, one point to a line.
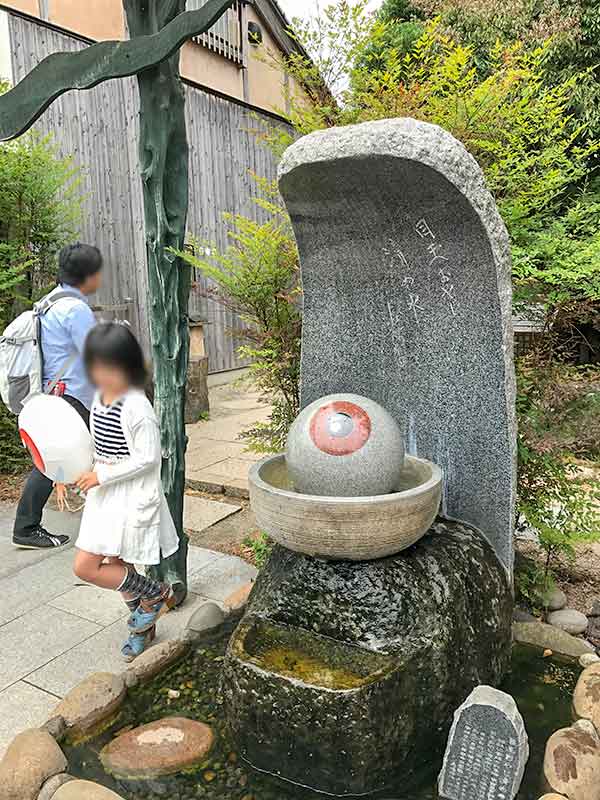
420 630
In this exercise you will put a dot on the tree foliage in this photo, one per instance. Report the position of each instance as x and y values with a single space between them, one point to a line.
40 207
513 82
257 277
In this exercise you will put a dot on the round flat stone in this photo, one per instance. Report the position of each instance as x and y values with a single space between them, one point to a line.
569 620
164 747
85 790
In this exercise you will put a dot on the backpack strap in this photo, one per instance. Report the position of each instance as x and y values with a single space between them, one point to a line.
61 372
46 303
40 310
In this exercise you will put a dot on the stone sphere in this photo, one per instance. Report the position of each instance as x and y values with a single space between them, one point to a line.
345 445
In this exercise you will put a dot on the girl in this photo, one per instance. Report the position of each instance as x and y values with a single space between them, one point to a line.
126 519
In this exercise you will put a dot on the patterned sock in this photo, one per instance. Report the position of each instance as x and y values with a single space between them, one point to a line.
139 585
133 603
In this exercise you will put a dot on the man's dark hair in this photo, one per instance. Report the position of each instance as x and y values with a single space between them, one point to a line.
113 343
77 262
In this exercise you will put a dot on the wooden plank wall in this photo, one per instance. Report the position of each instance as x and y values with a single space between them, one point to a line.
99 128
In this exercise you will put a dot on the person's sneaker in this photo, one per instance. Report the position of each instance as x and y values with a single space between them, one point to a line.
39 540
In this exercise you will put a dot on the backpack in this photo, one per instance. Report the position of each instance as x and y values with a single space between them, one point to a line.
21 366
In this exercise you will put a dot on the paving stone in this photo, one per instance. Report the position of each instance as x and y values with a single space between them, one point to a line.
30 760
208 481
93 701
200 513
204 452
198 559
239 598
37 638
102 652
222 577
13 559
35 585
231 468
91 603
22 706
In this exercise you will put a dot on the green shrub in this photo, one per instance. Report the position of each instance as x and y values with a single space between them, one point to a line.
260 547
553 498
257 277
40 206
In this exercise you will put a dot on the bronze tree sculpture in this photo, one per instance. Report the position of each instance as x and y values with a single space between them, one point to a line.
158 29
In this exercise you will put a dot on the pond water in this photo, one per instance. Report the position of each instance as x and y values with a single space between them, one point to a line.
542 687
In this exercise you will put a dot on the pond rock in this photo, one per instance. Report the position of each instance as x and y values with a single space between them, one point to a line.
572 762
569 620
165 747
557 599
354 669
588 659
85 790
31 758
586 698
93 702
156 659
547 637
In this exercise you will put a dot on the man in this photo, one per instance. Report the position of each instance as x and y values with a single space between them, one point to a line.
64 327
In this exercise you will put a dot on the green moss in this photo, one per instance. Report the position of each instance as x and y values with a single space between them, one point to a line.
307 668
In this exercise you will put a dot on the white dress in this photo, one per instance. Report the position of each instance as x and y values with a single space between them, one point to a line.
127 514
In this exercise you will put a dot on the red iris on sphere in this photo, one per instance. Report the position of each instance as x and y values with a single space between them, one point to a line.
340 428
35 453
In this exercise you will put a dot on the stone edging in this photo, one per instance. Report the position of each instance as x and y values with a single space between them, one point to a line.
94 704
572 758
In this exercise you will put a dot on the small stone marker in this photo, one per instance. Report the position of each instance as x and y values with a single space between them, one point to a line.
487 749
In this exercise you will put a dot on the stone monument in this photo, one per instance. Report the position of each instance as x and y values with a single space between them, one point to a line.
344 674
407 300
487 749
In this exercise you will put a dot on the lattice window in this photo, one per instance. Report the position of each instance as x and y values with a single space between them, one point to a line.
226 36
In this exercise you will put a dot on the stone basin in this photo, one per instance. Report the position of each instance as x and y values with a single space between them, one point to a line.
345 528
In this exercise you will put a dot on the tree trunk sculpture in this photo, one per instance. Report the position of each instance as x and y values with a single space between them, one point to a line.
158 28
164 167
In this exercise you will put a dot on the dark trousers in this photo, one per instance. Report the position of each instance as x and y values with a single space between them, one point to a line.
38 488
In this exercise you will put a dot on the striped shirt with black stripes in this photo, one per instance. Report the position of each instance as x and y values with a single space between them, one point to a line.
109 440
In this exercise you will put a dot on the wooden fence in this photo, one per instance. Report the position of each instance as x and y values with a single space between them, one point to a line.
99 128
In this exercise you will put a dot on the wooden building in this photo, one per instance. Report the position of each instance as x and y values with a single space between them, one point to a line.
231 91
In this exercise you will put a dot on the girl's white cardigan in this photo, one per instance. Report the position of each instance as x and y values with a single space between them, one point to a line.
127 514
